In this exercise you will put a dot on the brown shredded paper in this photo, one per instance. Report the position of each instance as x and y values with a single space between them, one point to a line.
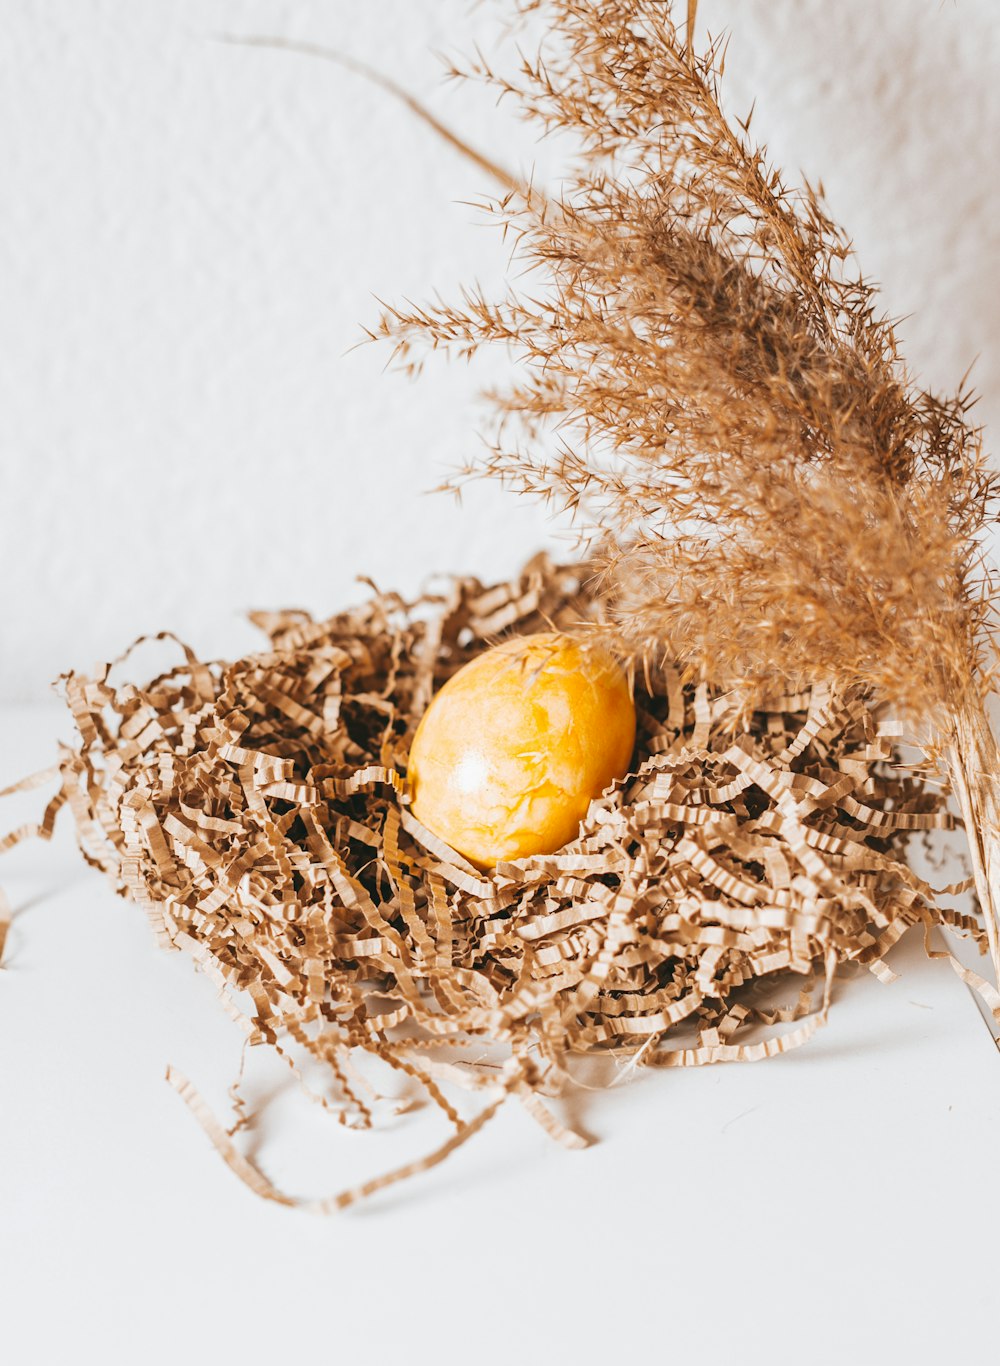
258 812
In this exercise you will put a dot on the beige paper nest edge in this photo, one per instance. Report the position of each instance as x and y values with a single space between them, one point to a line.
258 812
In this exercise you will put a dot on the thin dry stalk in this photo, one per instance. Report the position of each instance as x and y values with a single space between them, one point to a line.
974 766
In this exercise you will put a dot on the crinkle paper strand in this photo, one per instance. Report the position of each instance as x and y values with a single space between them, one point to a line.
258 812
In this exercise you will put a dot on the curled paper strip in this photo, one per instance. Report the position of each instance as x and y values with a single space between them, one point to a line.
258 811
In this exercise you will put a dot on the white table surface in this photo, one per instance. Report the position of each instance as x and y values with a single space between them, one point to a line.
833 1205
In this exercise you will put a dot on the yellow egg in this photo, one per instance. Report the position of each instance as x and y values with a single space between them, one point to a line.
513 748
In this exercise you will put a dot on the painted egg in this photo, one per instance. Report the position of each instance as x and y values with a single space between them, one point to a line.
514 747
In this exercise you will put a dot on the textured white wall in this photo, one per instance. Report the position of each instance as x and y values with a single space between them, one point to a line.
191 235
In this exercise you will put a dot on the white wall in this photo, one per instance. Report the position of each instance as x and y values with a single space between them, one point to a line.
190 235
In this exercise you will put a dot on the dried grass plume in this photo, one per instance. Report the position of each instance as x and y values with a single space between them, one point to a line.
768 493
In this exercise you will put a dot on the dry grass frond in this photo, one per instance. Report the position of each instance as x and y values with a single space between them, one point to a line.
768 493
733 411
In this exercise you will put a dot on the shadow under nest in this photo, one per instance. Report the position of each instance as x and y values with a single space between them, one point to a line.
258 811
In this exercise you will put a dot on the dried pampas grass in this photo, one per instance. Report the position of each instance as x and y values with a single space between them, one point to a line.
767 491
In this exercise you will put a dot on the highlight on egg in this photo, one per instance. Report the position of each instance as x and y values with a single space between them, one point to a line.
515 746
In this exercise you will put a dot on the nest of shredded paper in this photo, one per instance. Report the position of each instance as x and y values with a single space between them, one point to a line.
258 810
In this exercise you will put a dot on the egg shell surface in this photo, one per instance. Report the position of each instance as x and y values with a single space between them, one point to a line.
514 747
